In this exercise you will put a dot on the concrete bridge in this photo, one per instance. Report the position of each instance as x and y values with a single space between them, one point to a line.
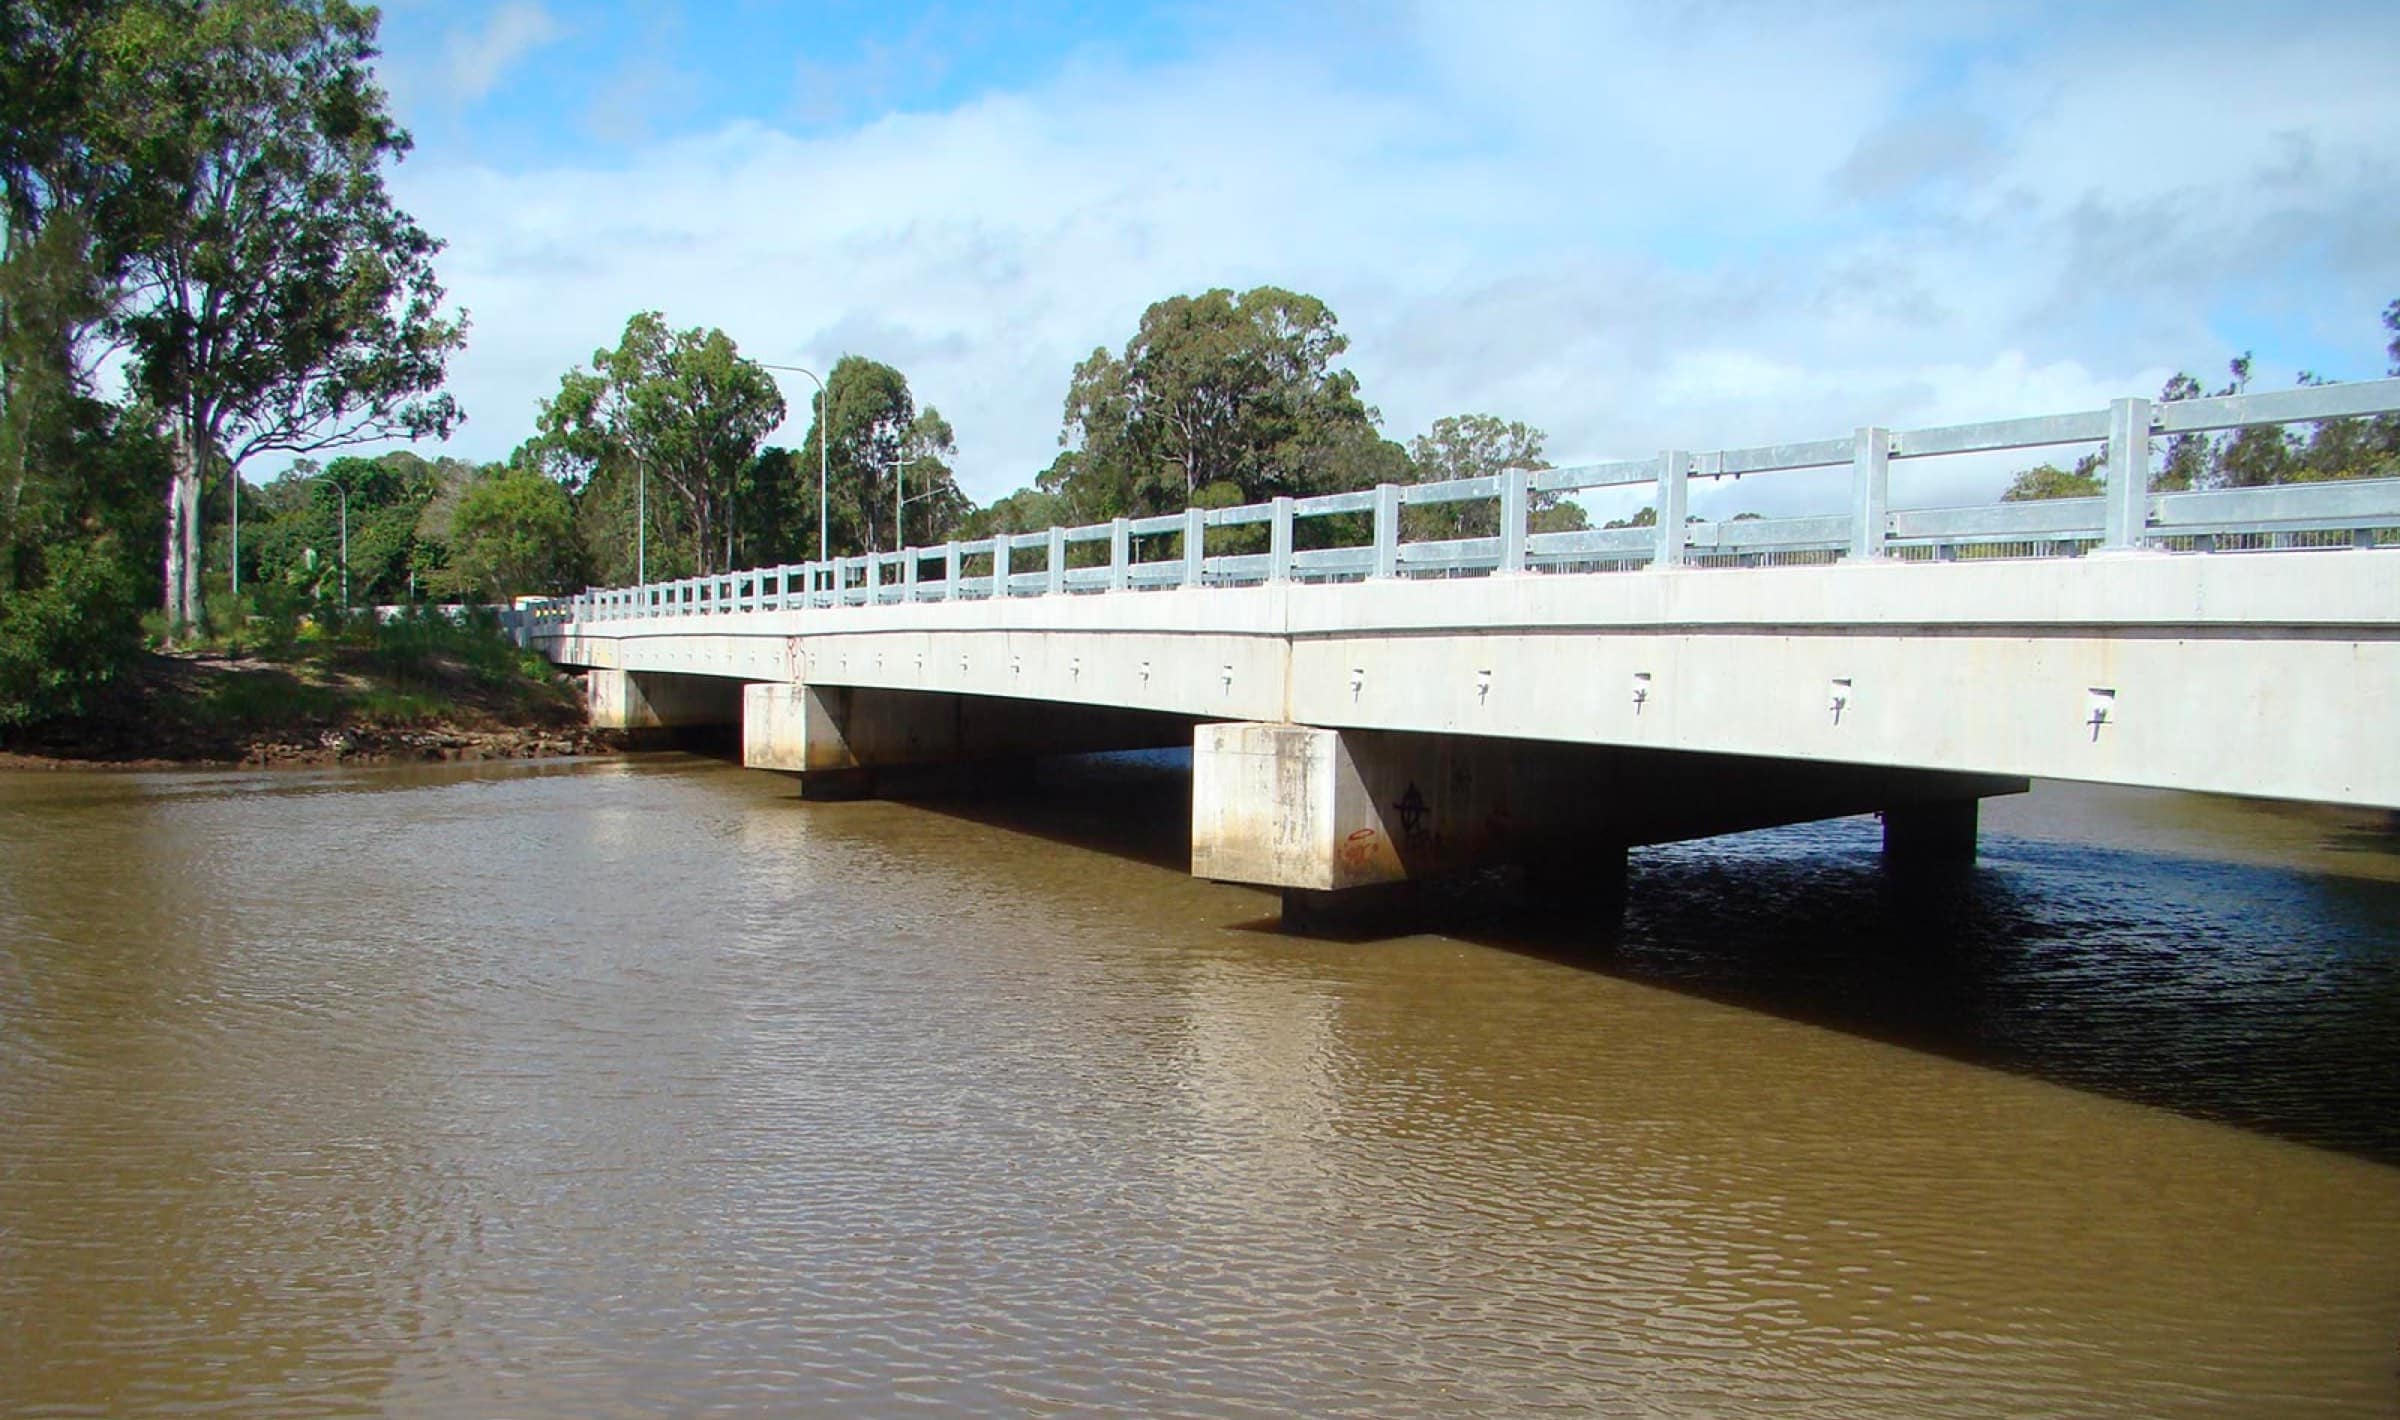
1365 710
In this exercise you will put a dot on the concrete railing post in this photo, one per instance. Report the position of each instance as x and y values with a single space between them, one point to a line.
1673 505
1058 561
1279 543
2127 515
1195 546
1387 530
1512 519
1000 564
1120 554
1870 492
908 576
949 570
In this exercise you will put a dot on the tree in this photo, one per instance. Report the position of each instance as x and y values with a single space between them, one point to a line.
1026 510
273 297
71 466
2253 456
2048 480
681 409
515 536
1482 446
876 428
1216 389
297 524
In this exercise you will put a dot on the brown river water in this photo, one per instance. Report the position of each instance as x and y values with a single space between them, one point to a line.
643 1088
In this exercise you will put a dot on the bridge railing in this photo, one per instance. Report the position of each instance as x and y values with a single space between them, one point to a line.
1358 535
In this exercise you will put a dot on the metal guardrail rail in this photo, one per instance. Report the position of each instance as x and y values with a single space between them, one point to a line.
1364 528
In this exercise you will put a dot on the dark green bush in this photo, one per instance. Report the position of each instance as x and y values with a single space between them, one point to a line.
67 635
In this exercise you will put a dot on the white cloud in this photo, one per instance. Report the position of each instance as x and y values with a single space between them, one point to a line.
474 62
1689 227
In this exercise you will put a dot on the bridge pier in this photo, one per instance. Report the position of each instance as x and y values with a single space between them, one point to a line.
838 738
1328 813
1935 833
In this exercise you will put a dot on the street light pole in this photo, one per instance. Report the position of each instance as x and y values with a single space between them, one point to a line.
824 437
345 492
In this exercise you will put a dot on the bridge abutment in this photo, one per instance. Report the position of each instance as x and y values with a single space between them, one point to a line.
837 738
1326 813
660 700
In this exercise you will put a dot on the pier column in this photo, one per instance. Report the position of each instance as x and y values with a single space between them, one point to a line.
821 735
1332 814
1931 833
1297 806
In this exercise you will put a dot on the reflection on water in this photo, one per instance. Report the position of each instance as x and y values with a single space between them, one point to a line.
639 1088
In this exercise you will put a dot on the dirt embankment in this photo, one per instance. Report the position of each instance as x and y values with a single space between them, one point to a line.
189 708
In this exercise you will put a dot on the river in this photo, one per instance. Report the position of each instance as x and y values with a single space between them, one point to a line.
641 1087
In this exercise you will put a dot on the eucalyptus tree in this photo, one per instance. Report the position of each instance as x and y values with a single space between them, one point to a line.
1482 446
272 296
877 433
681 407
1217 389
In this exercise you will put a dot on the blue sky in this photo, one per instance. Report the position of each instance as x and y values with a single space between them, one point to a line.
1698 225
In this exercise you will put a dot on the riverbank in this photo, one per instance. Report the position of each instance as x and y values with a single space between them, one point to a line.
396 696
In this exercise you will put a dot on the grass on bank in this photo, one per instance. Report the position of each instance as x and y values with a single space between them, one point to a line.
281 666
279 670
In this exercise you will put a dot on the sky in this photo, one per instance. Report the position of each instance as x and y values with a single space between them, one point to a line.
1634 227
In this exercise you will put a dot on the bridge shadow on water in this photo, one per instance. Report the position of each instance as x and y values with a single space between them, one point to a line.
2261 995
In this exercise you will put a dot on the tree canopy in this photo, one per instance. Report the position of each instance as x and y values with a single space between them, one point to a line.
270 293
876 429
514 535
1482 446
682 409
2255 456
1216 389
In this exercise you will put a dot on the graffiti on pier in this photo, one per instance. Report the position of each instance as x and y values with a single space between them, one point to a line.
1415 817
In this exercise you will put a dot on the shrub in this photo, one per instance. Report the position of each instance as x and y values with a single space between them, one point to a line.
65 637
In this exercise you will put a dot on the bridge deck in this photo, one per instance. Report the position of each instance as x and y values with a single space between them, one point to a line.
2270 674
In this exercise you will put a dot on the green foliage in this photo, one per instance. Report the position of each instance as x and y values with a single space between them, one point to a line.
1026 510
1216 388
401 511
682 408
515 536
874 426
226 158
414 669
66 634
262 699
2050 481
605 520
2253 457
1481 446
432 653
